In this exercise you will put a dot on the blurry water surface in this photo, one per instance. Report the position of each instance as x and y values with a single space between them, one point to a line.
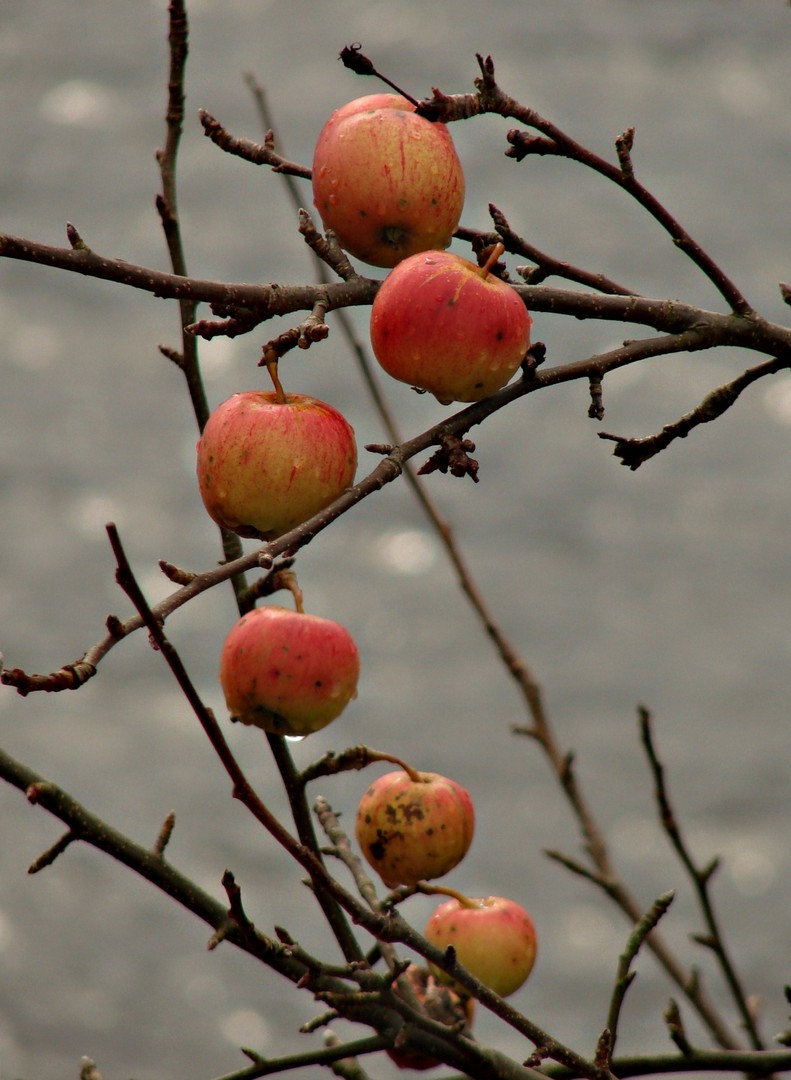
669 586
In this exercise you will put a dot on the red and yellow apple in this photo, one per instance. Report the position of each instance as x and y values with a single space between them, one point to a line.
414 825
266 465
442 324
494 939
387 181
288 672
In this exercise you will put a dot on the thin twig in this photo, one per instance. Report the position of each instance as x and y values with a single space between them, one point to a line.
701 878
546 265
634 452
490 98
624 975
305 850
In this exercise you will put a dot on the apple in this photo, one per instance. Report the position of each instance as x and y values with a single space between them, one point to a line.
265 465
494 939
288 672
439 1002
387 181
442 324
414 825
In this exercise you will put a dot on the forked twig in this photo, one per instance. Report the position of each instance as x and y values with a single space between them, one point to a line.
624 974
701 878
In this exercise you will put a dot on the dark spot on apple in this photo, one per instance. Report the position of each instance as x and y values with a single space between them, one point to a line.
318 683
377 850
499 335
363 213
394 236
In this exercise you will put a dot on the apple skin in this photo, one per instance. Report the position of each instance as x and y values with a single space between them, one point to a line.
288 672
387 181
412 830
264 467
440 324
495 940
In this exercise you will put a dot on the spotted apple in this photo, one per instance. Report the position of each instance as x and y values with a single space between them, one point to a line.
494 939
267 461
387 181
288 672
446 325
414 825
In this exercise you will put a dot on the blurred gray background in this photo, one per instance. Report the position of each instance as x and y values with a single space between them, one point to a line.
669 586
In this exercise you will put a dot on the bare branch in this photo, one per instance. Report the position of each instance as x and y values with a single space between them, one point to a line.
701 878
635 452
624 975
255 153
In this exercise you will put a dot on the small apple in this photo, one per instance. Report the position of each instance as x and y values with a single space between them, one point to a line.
439 1002
265 465
442 324
414 825
387 181
494 939
287 672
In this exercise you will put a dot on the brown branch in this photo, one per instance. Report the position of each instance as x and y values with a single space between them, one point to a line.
635 452
90 829
48 857
305 849
625 975
264 301
701 878
753 1063
697 336
546 265
332 1054
385 472
255 153
261 301
490 98
167 207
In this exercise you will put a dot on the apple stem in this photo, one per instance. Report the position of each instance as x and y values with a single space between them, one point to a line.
357 62
381 755
287 579
445 890
270 360
491 259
